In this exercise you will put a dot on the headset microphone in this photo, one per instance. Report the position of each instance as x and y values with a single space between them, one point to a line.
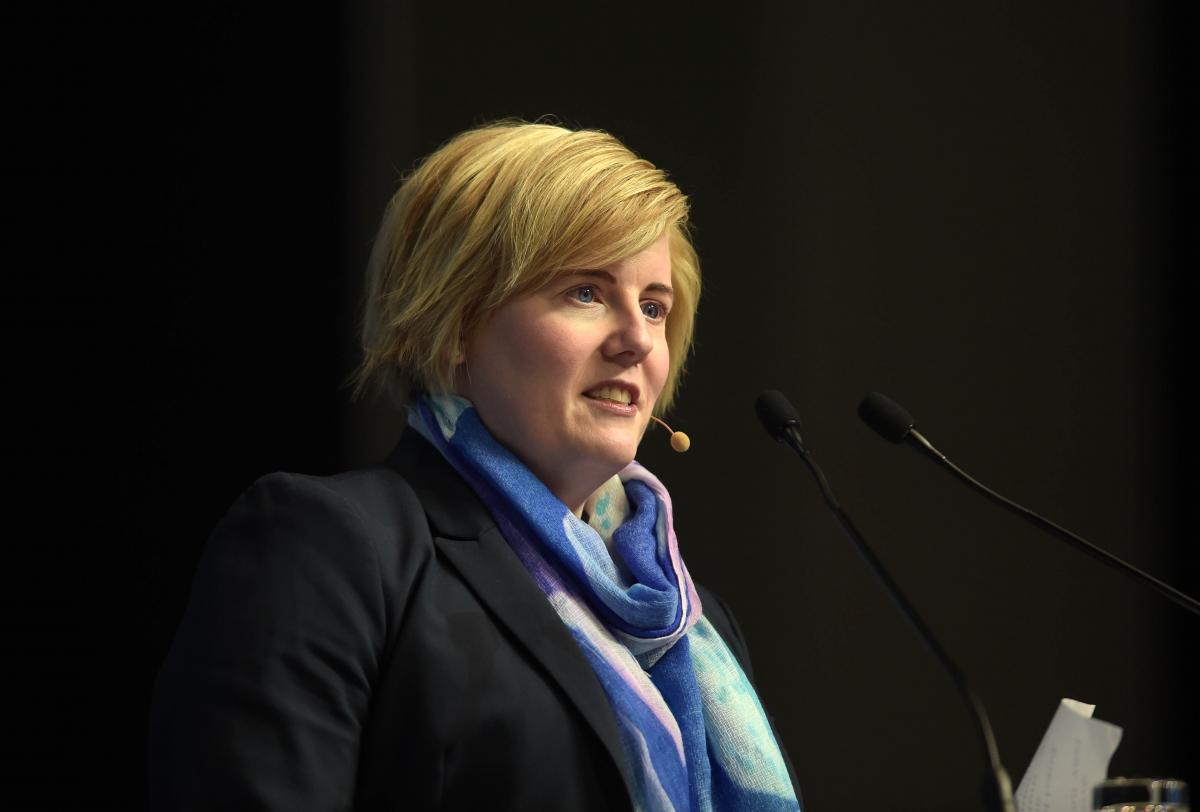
679 441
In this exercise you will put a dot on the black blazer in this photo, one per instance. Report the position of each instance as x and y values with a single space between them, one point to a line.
370 641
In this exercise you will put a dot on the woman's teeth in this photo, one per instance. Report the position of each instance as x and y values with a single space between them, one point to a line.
610 393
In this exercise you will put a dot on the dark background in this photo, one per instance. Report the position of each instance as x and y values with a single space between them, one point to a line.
982 209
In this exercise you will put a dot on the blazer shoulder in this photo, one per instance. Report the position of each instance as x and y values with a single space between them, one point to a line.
298 593
375 506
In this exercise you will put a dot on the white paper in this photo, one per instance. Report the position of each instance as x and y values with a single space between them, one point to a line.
1071 759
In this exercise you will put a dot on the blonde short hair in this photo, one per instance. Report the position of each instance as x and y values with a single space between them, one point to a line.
497 212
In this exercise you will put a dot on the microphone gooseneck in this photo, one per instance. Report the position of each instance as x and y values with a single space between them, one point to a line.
886 417
781 421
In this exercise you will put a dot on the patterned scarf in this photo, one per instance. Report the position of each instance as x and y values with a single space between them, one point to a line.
694 733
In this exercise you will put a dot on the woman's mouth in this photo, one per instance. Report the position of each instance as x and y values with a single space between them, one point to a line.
614 398
613 393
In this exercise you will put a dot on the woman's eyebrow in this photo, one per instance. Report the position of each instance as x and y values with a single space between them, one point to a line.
656 287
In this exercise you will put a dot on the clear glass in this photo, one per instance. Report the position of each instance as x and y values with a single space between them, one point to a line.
1140 795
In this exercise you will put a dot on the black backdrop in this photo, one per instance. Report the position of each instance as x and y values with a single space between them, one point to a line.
982 209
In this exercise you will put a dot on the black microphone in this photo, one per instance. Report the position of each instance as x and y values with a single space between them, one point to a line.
896 425
779 418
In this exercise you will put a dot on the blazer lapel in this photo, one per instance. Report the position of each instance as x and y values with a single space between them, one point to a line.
467 536
497 576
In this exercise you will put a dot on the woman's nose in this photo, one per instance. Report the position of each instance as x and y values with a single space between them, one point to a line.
631 339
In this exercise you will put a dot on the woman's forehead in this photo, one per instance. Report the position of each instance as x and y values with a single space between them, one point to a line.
653 263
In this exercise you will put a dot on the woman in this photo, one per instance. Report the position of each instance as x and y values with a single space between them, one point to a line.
498 616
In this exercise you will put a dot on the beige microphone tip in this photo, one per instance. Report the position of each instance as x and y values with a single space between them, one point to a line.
680 442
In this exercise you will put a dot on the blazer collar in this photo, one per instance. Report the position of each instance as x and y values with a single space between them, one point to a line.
466 534
453 509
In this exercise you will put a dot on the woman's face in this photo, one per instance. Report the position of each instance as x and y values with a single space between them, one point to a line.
566 376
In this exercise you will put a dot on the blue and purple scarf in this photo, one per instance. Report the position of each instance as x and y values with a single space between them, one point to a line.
694 733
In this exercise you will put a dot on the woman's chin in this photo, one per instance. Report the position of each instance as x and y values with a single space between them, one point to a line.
605 460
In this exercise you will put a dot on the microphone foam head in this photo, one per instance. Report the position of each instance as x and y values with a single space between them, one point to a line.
776 412
680 441
888 418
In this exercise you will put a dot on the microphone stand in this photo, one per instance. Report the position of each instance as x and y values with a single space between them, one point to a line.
997 787
917 441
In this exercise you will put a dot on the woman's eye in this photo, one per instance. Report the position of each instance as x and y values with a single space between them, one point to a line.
585 294
653 310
